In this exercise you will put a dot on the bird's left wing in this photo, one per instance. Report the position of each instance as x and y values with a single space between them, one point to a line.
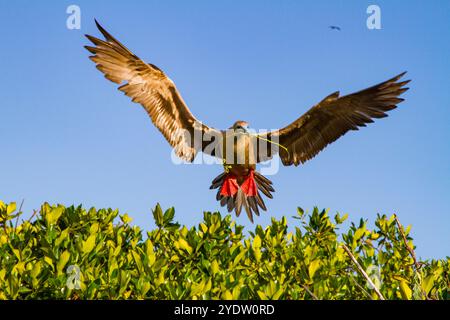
331 118
147 85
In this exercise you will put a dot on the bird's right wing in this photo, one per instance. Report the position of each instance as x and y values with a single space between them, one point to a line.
332 118
147 85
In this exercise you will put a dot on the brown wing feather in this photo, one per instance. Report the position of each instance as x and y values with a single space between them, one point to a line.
147 85
333 117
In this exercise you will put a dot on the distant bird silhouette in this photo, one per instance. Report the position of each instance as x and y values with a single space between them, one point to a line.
335 28
239 185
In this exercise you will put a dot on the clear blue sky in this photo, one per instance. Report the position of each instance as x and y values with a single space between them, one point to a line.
68 136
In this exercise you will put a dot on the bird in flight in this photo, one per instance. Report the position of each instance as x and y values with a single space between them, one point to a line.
335 28
239 185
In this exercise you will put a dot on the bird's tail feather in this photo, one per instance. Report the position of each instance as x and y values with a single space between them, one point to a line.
235 196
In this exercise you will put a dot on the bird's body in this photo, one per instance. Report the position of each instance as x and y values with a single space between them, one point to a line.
240 185
243 154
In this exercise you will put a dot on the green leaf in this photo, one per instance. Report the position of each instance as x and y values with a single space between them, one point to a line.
184 245
63 259
10 208
89 244
63 236
239 257
197 288
256 243
158 216
138 261
203 227
49 261
359 233
262 295
214 267
53 215
428 283
300 212
227 295
125 218
340 219
313 266
236 293
405 291
169 214
277 294
36 270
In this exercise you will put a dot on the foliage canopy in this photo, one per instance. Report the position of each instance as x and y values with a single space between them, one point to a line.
74 253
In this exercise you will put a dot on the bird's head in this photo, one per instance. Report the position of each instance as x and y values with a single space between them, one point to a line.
240 126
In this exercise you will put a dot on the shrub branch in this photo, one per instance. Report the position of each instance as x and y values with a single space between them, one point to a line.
352 257
410 250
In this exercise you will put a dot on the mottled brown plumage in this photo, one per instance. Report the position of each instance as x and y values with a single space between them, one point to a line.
240 186
147 85
333 117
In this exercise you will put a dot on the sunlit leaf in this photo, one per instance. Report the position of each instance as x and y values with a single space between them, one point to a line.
89 244
405 290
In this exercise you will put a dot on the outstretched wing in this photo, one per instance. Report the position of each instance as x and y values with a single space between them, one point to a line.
332 118
147 85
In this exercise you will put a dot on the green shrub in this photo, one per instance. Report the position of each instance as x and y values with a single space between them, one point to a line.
73 253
